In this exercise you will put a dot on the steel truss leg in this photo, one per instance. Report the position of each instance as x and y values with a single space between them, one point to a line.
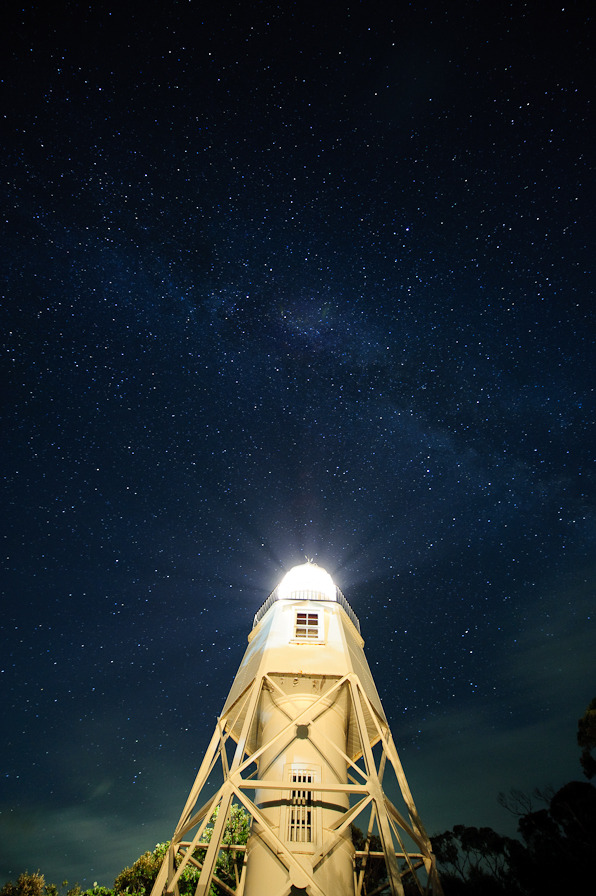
234 785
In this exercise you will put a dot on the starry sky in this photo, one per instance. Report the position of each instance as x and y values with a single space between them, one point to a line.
307 279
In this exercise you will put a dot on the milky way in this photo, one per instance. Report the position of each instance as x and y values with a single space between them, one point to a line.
288 282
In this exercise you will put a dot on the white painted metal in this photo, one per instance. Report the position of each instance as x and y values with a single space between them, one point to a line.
311 747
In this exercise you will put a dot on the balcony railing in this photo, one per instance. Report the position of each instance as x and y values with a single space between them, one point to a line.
308 595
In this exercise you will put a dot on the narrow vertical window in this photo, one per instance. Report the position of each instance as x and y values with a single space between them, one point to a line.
307 626
300 820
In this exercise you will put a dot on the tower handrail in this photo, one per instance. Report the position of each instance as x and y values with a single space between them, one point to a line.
313 595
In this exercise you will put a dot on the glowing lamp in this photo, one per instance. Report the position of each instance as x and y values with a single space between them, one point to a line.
307 582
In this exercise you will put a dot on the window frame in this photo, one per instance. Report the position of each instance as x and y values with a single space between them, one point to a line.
298 812
308 626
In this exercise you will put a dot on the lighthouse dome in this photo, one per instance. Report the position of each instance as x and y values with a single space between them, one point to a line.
307 582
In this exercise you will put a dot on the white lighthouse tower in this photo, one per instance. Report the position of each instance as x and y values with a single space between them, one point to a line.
304 745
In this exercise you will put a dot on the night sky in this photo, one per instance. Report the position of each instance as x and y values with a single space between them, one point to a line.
286 281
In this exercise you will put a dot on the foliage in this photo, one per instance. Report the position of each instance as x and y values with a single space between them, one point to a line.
236 833
554 855
140 877
35 885
586 739
26 885
560 841
519 802
476 860
374 868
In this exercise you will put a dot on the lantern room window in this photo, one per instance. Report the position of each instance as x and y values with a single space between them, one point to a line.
307 626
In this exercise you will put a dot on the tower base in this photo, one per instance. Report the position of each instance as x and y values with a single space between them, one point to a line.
327 864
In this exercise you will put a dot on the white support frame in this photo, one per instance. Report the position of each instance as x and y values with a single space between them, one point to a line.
365 783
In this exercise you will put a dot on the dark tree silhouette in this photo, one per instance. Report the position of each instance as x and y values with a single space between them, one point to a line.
557 847
586 739
477 861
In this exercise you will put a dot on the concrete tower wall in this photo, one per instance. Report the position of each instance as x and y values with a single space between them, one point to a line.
301 668
303 818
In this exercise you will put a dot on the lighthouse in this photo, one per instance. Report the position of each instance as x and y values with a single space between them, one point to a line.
303 744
